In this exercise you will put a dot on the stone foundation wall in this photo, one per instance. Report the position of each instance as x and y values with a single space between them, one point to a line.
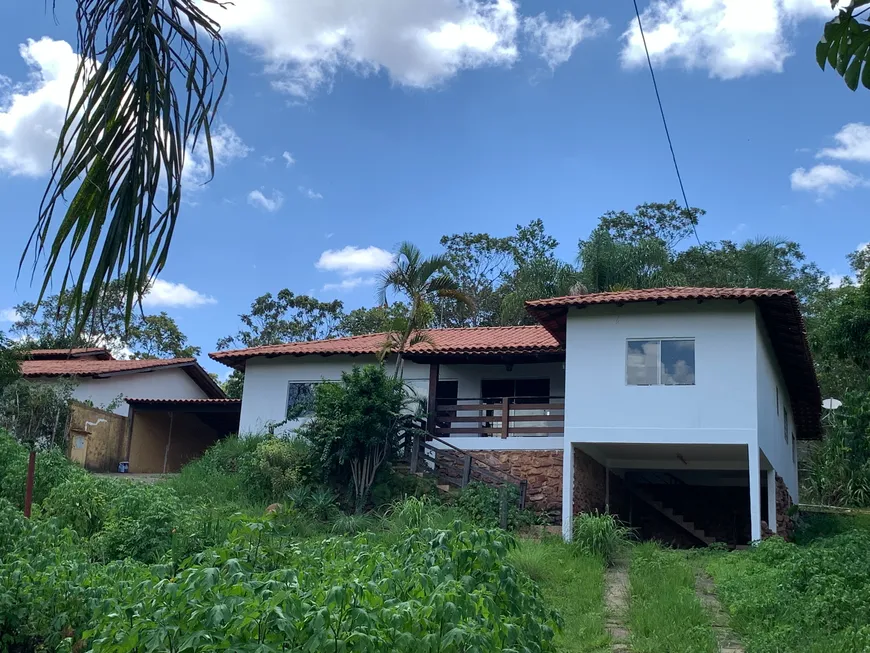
784 523
542 469
589 484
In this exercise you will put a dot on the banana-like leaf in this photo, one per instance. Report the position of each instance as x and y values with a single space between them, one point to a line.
845 47
151 76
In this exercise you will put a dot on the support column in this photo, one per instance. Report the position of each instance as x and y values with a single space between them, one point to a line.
754 492
568 492
771 499
432 403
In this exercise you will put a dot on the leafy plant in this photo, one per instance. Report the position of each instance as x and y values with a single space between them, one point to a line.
321 504
355 425
602 535
481 503
844 46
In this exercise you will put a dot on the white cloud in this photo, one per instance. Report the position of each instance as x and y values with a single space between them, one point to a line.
268 159
270 204
169 295
836 280
728 38
310 193
226 146
418 43
854 144
353 260
555 42
288 158
32 113
349 284
825 178
9 315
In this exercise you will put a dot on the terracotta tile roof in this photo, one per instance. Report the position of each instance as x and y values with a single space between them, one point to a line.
185 402
76 352
779 309
491 341
91 367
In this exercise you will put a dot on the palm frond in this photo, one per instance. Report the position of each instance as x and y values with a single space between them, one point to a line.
456 295
151 76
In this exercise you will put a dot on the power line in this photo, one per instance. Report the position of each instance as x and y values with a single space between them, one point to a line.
664 120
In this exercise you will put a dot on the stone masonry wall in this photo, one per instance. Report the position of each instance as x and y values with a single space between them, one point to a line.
542 470
784 523
589 484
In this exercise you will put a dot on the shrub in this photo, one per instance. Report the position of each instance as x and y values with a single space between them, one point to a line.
481 503
785 598
81 503
52 469
254 470
355 425
601 535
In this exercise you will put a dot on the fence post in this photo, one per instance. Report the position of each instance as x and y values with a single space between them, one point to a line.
466 471
524 488
503 507
505 417
415 452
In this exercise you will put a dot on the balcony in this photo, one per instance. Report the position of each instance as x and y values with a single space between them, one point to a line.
499 417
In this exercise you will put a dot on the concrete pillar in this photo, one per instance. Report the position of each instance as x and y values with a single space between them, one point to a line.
568 492
755 492
771 499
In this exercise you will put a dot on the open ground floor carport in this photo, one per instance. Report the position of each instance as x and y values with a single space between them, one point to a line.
165 434
685 494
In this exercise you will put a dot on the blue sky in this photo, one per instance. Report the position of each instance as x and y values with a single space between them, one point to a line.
350 126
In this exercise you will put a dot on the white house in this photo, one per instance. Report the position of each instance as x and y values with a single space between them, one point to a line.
678 408
106 382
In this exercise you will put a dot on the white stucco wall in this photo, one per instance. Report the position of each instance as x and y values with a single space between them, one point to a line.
264 397
159 384
771 414
719 408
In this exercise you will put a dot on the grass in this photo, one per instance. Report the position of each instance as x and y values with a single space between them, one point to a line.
812 597
665 615
573 584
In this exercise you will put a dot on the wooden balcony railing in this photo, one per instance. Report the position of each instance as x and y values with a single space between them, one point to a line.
500 417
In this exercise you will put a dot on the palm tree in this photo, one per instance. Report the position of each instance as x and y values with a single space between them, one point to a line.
150 78
609 264
420 281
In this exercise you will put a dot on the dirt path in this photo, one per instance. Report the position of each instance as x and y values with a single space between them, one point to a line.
616 598
706 592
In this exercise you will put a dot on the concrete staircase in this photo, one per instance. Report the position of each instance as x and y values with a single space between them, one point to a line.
672 516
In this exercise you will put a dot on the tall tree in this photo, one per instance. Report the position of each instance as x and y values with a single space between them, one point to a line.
285 317
635 261
149 80
377 319
46 326
668 222
420 280
845 44
537 278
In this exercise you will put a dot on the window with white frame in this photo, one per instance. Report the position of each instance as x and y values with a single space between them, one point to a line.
300 399
662 361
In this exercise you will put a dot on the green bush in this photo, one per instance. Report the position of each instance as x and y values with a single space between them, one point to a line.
253 470
52 469
785 598
481 503
81 503
601 535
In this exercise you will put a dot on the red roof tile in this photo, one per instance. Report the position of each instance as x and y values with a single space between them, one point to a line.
779 309
447 342
91 367
185 402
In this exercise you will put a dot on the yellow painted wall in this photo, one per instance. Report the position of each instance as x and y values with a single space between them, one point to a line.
104 433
